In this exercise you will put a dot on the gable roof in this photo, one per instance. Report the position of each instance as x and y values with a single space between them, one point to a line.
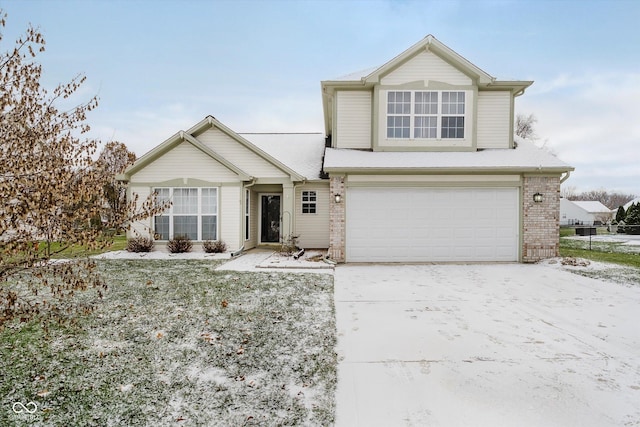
191 137
302 152
171 143
632 202
370 77
591 206
525 158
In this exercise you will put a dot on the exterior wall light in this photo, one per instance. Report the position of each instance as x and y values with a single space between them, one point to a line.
338 198
537 198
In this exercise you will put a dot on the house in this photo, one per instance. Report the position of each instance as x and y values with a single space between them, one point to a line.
417 163
584 212
628 205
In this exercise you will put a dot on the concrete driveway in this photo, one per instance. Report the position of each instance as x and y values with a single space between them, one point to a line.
485 345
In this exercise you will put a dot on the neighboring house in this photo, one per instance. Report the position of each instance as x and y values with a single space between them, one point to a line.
583 212
628 205
420 165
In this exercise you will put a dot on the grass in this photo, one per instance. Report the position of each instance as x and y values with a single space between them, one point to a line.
179 343
611 252
76 251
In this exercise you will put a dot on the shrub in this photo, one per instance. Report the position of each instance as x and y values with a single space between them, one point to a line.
289 245
179 244
215 247
139 244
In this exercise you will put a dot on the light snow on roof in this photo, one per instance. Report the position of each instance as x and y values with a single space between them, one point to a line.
526 156
591 206
633 202
301 152
356 75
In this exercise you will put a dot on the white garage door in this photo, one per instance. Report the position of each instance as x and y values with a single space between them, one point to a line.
432 224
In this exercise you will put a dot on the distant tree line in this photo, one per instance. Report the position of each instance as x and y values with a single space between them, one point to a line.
610 199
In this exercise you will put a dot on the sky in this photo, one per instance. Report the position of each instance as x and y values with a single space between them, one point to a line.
159 67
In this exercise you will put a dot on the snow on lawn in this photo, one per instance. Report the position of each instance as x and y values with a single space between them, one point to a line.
487 345
179 343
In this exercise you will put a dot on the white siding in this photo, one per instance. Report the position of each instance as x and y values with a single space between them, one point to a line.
239 155
494 124
253 223
426 66
313 229
353 119
229 216
185 161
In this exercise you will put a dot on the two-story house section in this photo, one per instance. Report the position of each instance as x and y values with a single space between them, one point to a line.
418 163
423 158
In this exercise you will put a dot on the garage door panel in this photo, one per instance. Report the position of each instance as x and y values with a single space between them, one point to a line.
432 224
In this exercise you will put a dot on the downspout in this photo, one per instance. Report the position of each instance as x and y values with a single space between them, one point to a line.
241 249
565 177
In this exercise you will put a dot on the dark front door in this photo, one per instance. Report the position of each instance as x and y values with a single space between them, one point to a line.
270 222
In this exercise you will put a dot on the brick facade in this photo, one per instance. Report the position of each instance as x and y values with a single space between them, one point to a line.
336 219
541 221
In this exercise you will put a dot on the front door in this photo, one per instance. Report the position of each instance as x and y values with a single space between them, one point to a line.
270 218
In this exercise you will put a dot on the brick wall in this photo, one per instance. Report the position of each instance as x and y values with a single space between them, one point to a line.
336 219
541 221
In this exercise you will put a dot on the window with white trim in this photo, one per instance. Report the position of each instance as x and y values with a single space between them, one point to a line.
193 213
309 202
419 114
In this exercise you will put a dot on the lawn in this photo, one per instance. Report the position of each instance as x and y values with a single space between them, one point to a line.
611 252
175 342
616 262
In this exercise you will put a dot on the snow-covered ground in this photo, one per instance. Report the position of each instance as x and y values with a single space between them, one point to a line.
486 345
623 239
251 260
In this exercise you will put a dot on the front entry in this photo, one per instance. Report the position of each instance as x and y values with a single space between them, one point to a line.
270 218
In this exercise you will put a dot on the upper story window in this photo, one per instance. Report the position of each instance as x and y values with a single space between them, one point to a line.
309 201
425 114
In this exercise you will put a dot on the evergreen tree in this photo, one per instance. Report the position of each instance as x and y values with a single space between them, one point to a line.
620 214
633 219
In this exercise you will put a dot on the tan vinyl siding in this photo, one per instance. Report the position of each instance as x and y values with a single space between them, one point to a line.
229 213
253 223
426 66
494 126
185 161
239 155
142 227
313 229
353 119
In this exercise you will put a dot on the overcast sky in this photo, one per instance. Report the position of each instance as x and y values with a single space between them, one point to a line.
161 66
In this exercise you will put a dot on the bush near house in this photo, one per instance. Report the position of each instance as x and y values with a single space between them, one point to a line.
179 245
140 244
214 247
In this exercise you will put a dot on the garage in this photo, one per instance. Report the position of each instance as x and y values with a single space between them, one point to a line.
431 224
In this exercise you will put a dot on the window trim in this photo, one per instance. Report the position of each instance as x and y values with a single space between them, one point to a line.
200 212
311 204
391 108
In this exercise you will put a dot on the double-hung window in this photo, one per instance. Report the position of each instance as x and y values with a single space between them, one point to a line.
420 114
309 201
193 213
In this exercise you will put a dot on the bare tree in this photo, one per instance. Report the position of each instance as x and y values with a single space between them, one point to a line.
114 159
524 126
612 200
49 189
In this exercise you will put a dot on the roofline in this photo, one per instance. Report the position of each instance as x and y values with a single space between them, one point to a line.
207 122
213 122
168 145
457 169
427 44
